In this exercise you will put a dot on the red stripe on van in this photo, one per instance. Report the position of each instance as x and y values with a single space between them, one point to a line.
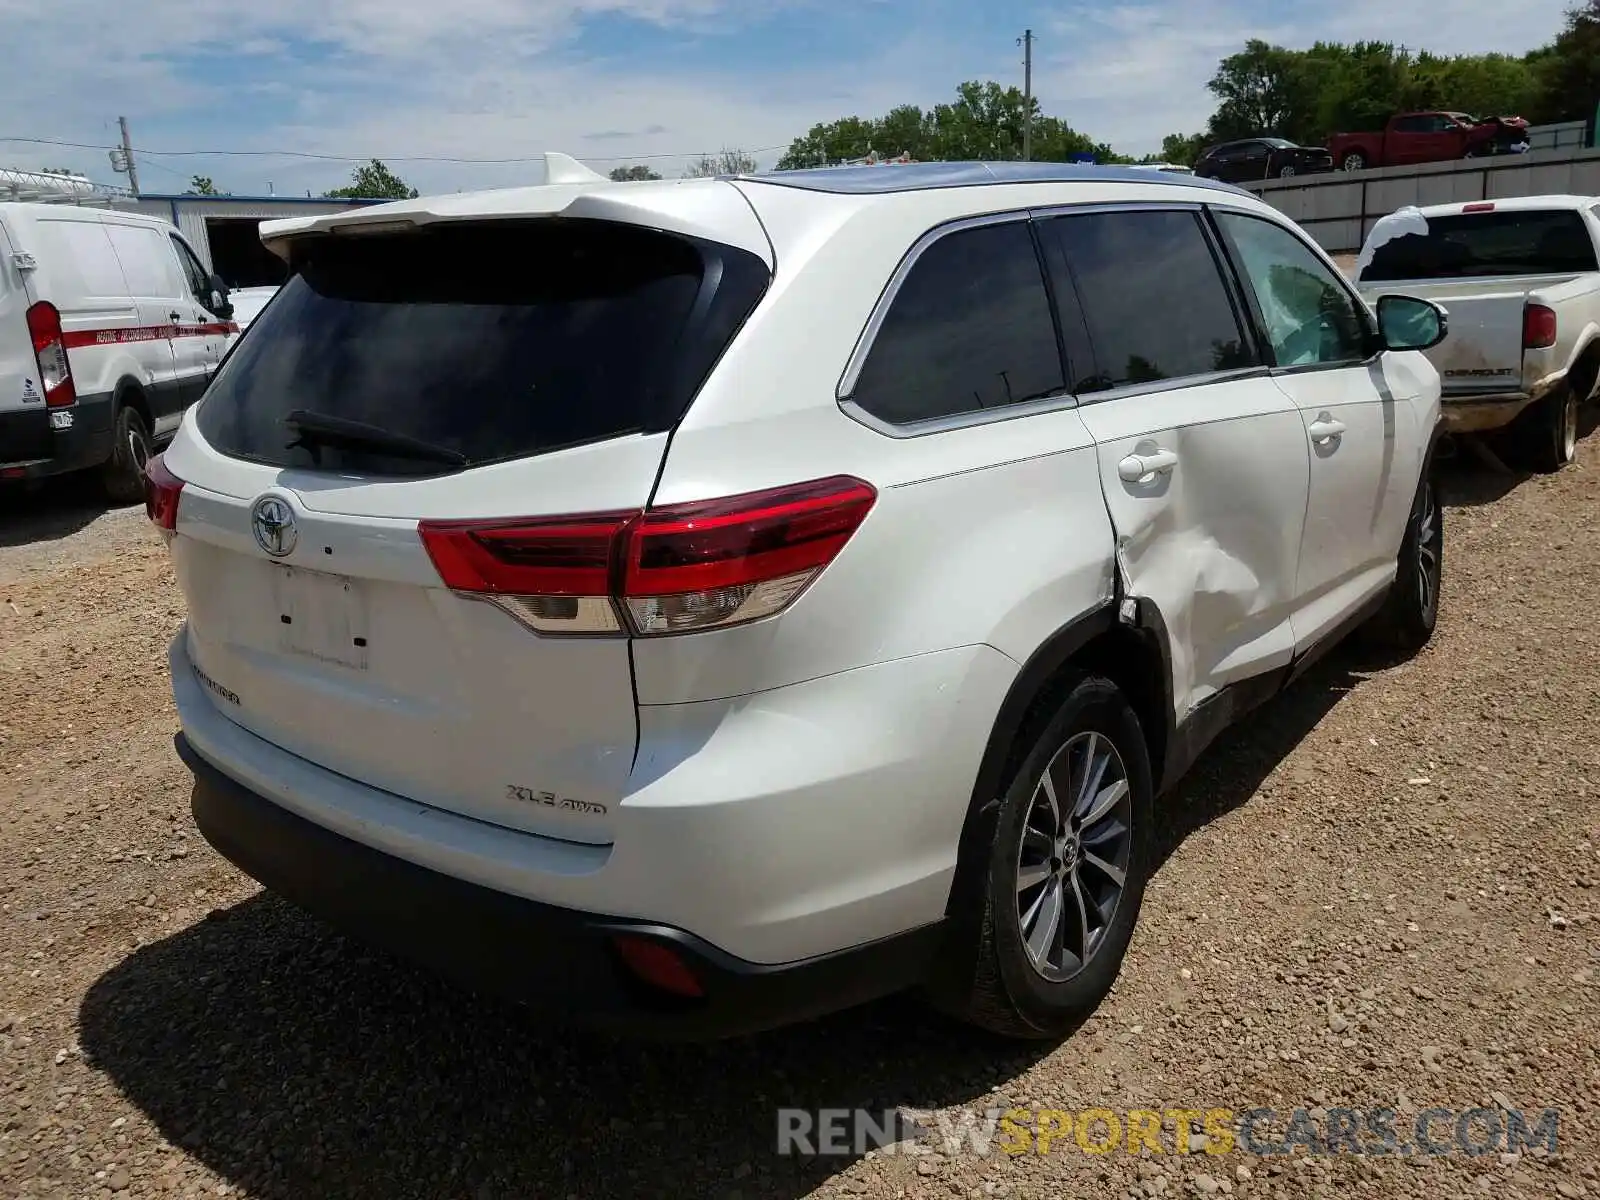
78 339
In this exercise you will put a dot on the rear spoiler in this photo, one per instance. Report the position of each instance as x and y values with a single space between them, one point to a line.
690 208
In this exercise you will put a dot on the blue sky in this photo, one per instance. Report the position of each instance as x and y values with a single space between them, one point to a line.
613 81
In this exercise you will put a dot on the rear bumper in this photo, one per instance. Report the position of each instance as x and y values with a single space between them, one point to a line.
559 961
1479 413
31 449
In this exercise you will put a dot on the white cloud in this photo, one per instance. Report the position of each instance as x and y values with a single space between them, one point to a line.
500 78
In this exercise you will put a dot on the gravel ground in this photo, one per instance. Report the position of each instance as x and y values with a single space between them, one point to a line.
1384 892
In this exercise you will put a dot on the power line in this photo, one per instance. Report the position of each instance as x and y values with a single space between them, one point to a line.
361 158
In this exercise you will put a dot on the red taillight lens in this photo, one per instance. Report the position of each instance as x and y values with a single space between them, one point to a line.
670 570
50 352
162 490
1481 206
695 566
1538 327
658 965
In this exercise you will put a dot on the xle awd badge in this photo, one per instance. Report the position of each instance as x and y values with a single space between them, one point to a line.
550 800
272 523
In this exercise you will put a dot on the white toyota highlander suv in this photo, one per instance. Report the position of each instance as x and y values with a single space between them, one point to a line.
694 606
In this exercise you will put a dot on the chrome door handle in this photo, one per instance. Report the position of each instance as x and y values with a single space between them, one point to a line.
1137 467
1323 432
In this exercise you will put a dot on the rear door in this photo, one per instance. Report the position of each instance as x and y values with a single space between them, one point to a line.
1363 440
202 335
504 372
24 423
154 286
1202 458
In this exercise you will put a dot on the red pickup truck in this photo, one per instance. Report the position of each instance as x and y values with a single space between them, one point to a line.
1428 137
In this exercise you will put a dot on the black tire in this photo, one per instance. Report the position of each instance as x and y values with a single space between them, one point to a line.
1546 433
1405 623
1286 172
1008 994
131 448
1354 162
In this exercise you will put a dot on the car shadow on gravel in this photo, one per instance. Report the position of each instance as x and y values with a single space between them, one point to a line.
295 1063
56 509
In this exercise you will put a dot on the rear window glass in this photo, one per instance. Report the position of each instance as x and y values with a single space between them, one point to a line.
1533 242
488 342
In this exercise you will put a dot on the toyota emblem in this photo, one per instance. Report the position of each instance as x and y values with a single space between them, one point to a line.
272 522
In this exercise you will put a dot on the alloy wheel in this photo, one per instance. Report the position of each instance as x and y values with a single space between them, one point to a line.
1428 551
1072 865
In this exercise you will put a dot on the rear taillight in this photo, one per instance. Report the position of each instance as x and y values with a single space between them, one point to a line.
162 490
678 569
1538 327
50 352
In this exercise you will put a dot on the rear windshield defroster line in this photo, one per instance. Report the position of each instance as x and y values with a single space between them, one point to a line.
488 341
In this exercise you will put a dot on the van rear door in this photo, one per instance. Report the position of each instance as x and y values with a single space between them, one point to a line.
24 423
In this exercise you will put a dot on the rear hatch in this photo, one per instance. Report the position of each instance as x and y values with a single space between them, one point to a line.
24 424
1480 265
460 371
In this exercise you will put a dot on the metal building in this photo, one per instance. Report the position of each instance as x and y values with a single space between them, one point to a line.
224 229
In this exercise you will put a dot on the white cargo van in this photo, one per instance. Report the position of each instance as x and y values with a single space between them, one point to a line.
109 329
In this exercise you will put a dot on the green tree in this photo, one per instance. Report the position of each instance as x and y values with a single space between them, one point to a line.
1183 148
630 174
201 185
375 181
728 162
1304 95
1567 72
983 122
1263 90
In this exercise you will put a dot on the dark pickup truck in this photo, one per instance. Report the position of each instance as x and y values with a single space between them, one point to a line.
1428 137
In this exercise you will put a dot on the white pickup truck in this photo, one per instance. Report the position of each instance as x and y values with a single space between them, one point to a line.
1519 281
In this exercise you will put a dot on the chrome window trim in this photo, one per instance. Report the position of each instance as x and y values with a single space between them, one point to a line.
1177 383
1060 402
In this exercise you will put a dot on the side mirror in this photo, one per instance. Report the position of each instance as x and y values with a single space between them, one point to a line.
219 298
1407 323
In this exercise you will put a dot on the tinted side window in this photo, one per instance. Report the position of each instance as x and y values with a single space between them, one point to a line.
969 329
193 272
1307 316
1152 297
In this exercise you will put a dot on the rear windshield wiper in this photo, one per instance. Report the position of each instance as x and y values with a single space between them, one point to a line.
325 429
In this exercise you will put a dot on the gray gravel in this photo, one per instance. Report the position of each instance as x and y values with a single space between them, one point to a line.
1384 892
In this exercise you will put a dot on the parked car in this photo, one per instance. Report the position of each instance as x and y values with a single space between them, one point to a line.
1174 168
1428 137
1261 158
109 330
1520 280
574 610
248 302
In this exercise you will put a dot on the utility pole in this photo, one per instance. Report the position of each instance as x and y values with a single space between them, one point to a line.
127 156
1026 41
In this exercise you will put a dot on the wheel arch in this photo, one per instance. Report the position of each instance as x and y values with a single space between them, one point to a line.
1124 641
1583 372
130 392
